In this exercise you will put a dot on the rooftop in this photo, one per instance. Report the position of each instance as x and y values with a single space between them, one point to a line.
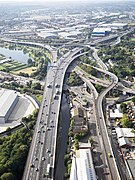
6 99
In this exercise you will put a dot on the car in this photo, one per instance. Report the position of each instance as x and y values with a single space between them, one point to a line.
39 131
50 155
43 158
37 169
32 165
47 150
48 129
36 158
109 155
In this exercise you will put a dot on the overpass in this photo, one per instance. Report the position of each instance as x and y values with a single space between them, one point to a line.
43 147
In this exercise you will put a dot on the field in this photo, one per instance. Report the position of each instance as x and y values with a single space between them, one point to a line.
10 65
27 70
132 39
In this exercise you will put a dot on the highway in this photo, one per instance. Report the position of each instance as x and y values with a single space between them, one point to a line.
110 162
43 147
102 82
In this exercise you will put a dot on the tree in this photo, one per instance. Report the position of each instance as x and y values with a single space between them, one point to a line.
126 123
8 176
36 86
133 99
91 141
123 107
30 62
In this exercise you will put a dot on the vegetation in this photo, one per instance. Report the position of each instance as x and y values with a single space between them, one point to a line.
122 56
133 99
14 150
38 58
88 69
123 107
126 123
75 80
91 141
99 88
30 88
73 142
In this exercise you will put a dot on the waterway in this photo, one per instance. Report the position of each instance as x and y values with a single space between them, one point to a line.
16 55
64 126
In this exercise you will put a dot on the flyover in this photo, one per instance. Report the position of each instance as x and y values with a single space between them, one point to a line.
43 147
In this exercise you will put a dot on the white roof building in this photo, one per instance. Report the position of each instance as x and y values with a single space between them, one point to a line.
123 142
8 100
84 166
124 132
116 113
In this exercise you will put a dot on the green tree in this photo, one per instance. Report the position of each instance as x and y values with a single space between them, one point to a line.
30 62
8 176
133 99
36 86
91 141
123 107
126 123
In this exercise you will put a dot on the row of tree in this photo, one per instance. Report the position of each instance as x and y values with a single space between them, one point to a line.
14 150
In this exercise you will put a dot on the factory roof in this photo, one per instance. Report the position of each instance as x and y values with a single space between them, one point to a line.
101 30
6 100
124 132
85 167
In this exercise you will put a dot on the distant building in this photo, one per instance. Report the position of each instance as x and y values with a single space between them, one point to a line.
80 120
115 26
82 166
101 32
8 100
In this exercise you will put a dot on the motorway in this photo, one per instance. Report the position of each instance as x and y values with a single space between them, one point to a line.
43 146
102 82
110 162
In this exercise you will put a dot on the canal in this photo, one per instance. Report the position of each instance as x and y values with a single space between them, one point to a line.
63 139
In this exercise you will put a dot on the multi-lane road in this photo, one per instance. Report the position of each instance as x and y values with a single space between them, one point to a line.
43 147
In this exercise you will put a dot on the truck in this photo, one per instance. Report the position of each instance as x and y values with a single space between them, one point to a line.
47 173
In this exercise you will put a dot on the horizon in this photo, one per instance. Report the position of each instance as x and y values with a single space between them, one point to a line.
66 1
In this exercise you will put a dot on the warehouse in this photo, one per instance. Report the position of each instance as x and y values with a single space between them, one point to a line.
82 166
8 101
101 32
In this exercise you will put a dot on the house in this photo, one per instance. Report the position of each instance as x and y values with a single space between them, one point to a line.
80 120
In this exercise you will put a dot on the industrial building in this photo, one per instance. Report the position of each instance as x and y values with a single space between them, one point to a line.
115 26
80 120
82 166
101 32
8 101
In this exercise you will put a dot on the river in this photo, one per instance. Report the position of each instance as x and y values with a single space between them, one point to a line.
16 55
65 123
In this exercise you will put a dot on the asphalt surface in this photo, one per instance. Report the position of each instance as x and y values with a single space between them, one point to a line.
43 147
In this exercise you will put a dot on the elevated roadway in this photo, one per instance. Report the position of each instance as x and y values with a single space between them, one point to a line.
43 147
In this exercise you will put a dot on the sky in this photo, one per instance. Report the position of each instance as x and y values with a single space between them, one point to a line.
63 0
